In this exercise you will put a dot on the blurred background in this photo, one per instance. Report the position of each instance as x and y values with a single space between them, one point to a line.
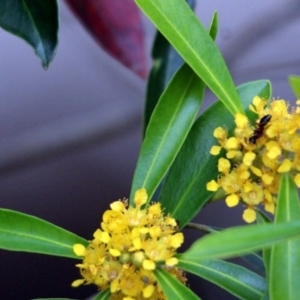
93 105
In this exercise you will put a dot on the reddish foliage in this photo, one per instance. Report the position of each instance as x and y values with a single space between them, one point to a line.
117 26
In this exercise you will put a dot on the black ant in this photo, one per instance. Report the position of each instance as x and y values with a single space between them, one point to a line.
258 132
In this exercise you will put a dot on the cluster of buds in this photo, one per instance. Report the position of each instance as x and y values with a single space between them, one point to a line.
131 244
257 156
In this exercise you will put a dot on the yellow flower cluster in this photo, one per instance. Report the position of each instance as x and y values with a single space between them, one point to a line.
257 156
133 242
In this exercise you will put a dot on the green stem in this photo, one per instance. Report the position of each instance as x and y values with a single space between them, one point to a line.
201 227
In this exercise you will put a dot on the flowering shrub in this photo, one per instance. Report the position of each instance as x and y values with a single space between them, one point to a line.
134 254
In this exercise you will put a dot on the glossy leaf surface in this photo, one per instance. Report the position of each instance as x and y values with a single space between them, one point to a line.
168 128
184 191
285 260
166 61
117 27
235 279
240 240
172 287
35 21
295 85
177 22
21 232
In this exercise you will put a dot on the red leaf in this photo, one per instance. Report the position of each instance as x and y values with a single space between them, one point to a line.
117 26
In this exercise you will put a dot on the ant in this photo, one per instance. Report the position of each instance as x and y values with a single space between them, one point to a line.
258 132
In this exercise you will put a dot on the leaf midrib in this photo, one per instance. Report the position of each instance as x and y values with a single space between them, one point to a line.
199 59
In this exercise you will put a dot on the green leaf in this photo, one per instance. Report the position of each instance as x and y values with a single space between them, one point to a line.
256 261
263 219
35 21
233 278
172 287
285 260
214 26
265 296
168 128
184 191
103 295
177 22
21 232
294 82
240 240
166 62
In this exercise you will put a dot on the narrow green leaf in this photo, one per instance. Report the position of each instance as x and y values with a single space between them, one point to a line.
166 62
285 260
172 287
184 191
35 21
103 295
177 22
168 128
240 240
294 82
235 279
21 232
256 261
214 26
263 219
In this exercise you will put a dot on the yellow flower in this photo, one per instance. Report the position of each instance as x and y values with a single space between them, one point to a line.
232 200
132 242
241 121
212 186
215 150
224 165
249 158
257 155
249 215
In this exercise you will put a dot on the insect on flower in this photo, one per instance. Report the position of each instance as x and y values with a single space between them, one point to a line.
258 132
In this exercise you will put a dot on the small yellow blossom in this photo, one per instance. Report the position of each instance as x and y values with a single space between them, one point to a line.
241 120
114 252
232 200
148 264
148 291
258 105
257 154
215 150
285 166
220 133
173 261
140 197
212 186
274 152
249 158
249 215
267 179
270 207
79 249
256 171
232 143
77 282
131 244
231 154
224 165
